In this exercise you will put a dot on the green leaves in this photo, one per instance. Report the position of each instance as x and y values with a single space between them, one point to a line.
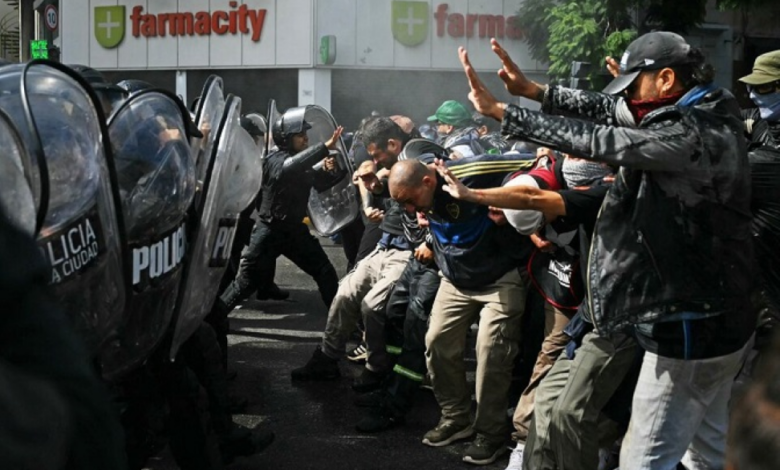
561 31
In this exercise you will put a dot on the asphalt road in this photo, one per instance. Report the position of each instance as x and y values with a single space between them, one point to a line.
314 422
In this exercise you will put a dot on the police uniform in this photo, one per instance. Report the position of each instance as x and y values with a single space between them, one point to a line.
287 182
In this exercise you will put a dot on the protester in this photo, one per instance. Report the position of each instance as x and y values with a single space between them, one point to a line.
694 319
363 292
762 123
455 129
479 261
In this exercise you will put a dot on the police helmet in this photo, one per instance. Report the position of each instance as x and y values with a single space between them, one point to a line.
289 124
109 94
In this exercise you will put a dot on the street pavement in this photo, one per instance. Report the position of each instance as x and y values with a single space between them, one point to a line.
315 422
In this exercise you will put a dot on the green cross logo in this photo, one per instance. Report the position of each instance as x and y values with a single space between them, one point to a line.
109 26
410 22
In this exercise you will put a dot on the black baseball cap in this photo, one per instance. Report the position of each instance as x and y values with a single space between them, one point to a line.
651 51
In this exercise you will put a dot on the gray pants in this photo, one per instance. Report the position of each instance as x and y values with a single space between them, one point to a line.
364 291
680 412
567 426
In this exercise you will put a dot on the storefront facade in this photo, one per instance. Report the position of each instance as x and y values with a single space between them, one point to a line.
350 56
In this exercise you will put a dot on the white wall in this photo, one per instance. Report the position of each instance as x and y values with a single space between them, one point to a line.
364 36
290 37
286 39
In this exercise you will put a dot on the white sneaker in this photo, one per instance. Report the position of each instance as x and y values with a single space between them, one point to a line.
516 457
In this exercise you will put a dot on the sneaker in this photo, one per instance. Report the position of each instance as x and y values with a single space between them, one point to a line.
368 381
359 354
484 451
319 367
447 432
272 293
516 458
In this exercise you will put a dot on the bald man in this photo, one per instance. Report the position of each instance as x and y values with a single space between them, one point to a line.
480 261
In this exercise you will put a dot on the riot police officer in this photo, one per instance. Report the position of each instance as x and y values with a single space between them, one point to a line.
289 174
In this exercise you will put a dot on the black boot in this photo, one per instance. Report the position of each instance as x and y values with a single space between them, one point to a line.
319 367
368 380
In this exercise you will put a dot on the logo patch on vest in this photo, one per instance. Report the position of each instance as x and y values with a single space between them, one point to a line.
454 210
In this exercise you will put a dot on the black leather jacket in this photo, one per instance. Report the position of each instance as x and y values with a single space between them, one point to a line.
287 182
672 241
760 131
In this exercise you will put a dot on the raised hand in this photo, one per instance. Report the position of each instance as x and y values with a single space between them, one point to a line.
454 186
514 80
612 66
331 143
480 97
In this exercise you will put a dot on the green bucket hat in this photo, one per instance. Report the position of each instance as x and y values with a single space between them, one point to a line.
453 113
766 69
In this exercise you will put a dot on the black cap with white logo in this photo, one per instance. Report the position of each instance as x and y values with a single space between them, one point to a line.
651 51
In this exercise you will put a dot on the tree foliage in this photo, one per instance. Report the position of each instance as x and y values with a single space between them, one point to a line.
561 31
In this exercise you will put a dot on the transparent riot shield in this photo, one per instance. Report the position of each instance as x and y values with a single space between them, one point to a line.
261 123
273 114
336 207
16 197
156 177
71 174
231 183
207 117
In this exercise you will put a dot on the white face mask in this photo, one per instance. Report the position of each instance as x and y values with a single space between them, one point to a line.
768 105
582 172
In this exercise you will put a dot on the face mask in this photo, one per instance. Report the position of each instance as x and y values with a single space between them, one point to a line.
641 108
582 172
768 105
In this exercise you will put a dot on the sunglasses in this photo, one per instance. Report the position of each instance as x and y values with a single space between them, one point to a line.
765 88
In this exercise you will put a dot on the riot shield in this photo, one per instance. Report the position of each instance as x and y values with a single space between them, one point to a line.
156 177
272 115
71 174
16 198
210 110
260 122
336 207
231 183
